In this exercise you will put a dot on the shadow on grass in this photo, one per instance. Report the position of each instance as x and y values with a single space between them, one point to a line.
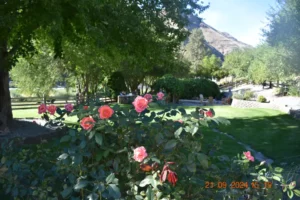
277 137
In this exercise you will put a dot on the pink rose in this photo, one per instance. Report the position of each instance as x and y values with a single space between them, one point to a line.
148 97
87 123
248 156
42 108
139 154
160 96
180 121
140 104
105 112
51 109
69 107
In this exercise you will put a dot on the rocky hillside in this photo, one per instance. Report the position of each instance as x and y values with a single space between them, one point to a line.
220 43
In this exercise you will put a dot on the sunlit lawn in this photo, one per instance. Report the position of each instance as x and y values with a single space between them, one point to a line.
271 132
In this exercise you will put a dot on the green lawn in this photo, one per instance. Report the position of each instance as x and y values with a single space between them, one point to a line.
271 132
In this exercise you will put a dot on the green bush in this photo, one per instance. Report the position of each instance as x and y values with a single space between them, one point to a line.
262 99
248 95
187 88
100 162
294 91
170 85
238 96
116 83
278 91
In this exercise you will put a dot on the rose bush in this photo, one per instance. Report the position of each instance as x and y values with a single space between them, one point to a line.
124 153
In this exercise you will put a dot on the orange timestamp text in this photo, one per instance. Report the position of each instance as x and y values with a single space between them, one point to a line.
237 185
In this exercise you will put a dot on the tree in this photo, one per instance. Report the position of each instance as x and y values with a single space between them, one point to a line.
238 62
196 49
210 66
121 24
38 74
284 31
268 64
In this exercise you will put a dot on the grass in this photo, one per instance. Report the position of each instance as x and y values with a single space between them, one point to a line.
270 132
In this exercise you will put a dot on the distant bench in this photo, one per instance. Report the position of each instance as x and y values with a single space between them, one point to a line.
126 99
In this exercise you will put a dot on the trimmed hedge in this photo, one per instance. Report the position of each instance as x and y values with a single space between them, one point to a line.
195 87
187 88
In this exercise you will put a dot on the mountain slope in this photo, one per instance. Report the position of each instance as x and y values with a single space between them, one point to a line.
220 43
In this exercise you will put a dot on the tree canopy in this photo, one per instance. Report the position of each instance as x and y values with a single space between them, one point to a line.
284 31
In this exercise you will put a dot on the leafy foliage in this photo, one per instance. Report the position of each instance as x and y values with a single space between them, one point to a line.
262 99
187 88
100 162
116 82
38 74
283 31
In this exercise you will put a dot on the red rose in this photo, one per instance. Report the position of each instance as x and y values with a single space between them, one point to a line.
105 112
209 114
85 107
87 123
51 109
42 108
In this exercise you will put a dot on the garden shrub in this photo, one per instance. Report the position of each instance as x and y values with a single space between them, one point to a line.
116 83
294 91
171 85
123 153
248 95
187 88
262 99
238 96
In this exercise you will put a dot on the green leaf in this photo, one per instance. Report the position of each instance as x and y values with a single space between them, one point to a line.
80 184
297 192
58 110
285 188
290 194
263 178
3 159
99 139
114 191
292 185
278 169
91 135
82 144
93 196
150 193
191 167
221 120
276 178
148 180
110 178
65 138
178 132
182 110
194 130
138 197
63 156
203 159
170 144
66 192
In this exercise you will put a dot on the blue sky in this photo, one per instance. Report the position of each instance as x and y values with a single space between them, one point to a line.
243 19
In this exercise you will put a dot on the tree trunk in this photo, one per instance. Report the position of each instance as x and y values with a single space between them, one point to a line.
5 100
